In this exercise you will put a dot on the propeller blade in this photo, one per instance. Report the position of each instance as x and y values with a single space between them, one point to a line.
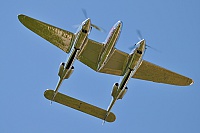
152 48
98 28
85 13
139 35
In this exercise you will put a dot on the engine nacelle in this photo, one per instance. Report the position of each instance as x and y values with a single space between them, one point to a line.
61 68
69 73
123 93
114 91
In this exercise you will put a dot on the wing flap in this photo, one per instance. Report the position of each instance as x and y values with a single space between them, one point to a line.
61 38
151 72
116 64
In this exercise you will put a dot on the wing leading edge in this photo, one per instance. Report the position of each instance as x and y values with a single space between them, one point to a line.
61 38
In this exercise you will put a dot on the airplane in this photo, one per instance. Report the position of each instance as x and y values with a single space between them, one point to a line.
101 57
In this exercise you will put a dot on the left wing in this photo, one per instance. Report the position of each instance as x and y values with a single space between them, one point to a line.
61 38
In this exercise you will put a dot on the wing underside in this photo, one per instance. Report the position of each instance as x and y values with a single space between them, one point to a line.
90 54
61 38
147 71
151 72
116 64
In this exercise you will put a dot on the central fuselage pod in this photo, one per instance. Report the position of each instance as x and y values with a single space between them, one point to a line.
109 44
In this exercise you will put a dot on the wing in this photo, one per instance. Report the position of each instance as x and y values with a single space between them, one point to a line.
151 72
90 54
116 64
60 38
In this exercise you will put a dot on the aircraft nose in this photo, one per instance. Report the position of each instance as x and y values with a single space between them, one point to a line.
119 23
143 41
142 44
87 22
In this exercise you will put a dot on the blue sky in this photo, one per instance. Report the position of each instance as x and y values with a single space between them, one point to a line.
29 65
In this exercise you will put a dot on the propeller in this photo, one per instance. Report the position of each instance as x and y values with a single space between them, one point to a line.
85 13
92 25
152 48
140 38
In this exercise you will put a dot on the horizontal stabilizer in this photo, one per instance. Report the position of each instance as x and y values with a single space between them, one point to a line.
80 105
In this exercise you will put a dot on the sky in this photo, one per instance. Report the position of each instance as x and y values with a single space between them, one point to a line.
29 66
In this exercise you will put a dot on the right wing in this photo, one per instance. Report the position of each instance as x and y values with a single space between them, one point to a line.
61 38
117 64
151 72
